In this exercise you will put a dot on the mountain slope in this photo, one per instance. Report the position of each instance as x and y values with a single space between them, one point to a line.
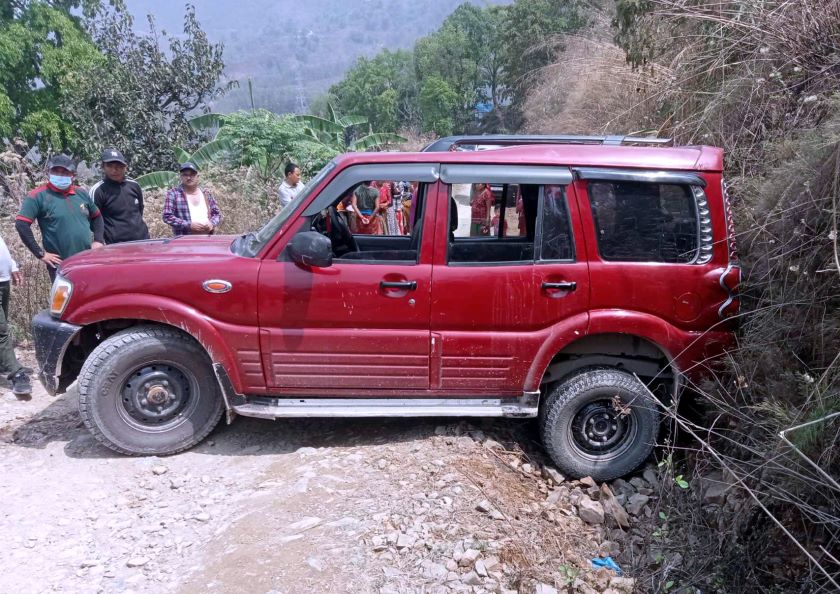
294 51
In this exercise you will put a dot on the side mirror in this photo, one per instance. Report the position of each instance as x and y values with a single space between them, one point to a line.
310 248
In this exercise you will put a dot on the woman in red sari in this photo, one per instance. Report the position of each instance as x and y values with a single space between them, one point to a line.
481 203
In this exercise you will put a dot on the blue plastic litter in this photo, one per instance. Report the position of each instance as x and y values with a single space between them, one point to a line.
608 563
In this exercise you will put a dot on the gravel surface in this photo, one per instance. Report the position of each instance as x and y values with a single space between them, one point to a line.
298 506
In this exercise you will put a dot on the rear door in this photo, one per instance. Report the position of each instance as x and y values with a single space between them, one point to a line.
498 294
361 325
652 246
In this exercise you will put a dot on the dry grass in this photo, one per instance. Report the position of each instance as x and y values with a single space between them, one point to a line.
591 90
758 79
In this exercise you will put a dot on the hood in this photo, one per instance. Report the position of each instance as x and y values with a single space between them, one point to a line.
179 249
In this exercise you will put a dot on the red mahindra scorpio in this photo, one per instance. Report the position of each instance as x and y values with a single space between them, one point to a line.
580 280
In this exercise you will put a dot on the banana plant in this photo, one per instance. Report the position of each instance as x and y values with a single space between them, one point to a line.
207 153
337 132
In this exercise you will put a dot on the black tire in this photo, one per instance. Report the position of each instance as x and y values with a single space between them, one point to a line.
600 423
149 390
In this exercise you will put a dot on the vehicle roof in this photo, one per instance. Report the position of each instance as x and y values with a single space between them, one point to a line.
684 158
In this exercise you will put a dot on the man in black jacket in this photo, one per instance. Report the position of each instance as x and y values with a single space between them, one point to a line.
120 200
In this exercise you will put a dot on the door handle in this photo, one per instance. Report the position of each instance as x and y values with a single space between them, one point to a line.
404 285
561 286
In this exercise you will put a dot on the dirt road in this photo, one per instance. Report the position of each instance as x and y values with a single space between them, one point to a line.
290 507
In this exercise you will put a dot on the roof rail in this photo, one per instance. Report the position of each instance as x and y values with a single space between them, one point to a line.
450 143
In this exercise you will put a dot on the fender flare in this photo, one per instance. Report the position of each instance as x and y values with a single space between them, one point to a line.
169 312
651 328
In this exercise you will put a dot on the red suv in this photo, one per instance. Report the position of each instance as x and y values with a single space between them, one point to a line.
574 279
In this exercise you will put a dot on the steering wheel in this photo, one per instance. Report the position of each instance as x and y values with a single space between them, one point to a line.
334 227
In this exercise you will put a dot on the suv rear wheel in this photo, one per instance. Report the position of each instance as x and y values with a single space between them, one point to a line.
149 390
600 423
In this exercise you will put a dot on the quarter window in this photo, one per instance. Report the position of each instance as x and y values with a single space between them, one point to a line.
645 222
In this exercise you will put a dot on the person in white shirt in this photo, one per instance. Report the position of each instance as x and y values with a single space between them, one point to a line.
189 208
9 365
291 186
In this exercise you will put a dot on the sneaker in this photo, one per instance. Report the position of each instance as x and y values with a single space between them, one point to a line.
20 384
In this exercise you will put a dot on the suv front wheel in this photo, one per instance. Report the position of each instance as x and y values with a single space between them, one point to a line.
149 390
600 423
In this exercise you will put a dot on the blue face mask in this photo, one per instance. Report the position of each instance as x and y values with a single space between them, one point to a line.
62 182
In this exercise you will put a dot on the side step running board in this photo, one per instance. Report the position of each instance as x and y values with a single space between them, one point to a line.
276 408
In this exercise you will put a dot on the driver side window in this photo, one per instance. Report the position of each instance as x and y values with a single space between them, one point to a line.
374 222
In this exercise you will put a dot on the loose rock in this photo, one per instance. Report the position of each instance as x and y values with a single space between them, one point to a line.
137 561
553 475
484 506
613 509
636 503
469 558
590 511
405 541
471 579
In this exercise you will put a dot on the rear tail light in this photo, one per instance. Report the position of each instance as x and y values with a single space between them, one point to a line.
730 281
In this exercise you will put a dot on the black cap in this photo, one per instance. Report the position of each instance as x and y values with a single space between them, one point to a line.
112 155
62 161
188 165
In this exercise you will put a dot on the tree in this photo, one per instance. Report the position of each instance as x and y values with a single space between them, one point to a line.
438 102
266 141
493 65
89 8
532 27
141 97
42 48
383 89
454 55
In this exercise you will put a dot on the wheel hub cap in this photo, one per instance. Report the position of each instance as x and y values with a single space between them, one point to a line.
155 394
598 428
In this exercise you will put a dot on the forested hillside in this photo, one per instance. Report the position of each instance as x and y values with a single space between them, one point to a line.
294 51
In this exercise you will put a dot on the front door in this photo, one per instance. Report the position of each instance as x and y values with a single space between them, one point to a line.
361 325
506 278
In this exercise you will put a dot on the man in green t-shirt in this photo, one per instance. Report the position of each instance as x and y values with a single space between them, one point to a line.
66 215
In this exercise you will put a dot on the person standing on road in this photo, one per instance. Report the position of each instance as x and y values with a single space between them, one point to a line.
481 204
15 373
291 185
120 200
66 216
189 209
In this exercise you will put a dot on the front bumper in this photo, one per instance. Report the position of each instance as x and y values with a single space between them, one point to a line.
52 337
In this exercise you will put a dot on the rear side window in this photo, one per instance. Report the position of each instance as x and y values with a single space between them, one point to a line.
645 222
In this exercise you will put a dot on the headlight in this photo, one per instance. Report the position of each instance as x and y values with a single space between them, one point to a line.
60 295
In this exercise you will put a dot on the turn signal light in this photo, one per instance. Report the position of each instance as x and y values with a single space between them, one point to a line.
60 295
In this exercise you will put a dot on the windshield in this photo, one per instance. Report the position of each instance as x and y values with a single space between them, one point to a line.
250 244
